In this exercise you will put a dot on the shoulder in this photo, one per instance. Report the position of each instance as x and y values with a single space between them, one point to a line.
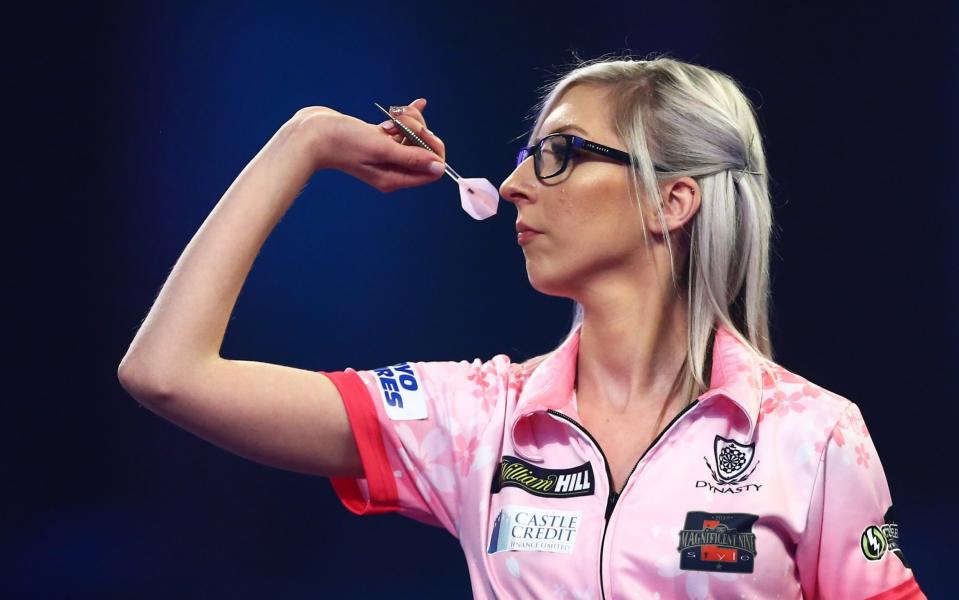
801 422
786 392
794 407
497 372
478 378
445 373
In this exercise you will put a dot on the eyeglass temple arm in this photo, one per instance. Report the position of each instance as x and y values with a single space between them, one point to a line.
579 142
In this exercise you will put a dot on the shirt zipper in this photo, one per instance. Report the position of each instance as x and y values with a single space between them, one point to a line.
613 496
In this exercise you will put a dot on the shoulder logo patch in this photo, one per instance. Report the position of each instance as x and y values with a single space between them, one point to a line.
873 543
878 540
402 392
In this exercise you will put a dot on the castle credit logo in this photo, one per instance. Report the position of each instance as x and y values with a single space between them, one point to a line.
718 542
540 481
732 460
531 529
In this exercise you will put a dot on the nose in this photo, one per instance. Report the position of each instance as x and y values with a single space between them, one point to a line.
516 187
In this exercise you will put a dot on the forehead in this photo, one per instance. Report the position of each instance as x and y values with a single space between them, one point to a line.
584 105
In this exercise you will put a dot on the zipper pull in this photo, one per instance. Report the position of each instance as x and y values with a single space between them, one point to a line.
611 502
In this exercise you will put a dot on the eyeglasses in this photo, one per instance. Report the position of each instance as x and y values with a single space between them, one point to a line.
552 153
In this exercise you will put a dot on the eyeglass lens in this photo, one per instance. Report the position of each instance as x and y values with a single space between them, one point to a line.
551 155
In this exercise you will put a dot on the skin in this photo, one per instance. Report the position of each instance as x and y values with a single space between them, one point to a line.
277 415
592 250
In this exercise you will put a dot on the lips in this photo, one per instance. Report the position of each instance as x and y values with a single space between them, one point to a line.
521 227
523 237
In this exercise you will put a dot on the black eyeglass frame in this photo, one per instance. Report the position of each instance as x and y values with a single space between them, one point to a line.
573 142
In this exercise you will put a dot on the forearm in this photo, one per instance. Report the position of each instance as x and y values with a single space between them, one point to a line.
187 323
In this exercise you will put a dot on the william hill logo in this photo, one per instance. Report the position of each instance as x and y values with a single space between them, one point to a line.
539 481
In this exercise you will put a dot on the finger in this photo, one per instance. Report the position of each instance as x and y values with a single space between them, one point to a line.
416 110
418 104
393 177
411 119
412 158
395 133
390 129
420 129
411 112
435 143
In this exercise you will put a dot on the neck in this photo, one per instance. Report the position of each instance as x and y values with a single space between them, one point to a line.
631 348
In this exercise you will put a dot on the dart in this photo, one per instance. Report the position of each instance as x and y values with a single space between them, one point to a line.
478 197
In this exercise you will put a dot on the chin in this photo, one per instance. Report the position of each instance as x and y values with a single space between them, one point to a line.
548 286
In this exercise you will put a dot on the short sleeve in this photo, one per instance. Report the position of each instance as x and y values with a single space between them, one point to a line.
851 546
419 427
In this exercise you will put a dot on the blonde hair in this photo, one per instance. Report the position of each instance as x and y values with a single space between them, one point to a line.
696 122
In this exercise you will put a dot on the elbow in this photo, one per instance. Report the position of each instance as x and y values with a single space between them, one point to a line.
139 381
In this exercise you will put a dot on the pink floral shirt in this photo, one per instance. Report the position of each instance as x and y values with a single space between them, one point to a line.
764 487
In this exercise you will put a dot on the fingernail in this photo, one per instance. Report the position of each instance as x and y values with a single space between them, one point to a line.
437 168
387 125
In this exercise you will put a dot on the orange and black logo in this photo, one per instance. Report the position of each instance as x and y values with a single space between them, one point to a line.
718 542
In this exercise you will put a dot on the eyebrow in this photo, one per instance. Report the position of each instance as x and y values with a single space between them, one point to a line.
568 127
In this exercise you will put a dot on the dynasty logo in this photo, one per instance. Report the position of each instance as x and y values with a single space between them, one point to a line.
732 459
718 542
539 481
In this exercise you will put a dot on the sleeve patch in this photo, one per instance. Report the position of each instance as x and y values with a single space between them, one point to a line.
878 540
402 392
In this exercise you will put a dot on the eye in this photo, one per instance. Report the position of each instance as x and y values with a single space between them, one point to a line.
554 145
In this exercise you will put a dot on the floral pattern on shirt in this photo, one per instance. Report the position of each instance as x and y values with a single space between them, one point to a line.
486 385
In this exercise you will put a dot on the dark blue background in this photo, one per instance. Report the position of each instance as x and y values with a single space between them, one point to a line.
126 124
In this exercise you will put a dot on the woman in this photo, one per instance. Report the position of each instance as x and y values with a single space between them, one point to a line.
657 452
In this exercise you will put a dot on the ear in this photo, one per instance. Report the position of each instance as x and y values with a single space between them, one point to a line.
681 199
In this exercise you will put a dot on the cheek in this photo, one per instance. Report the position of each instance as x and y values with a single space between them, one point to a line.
597 213
581 207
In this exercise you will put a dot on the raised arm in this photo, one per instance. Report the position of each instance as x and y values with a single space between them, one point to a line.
289 418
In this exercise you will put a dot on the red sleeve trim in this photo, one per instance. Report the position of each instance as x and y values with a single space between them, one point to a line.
369 441
907 590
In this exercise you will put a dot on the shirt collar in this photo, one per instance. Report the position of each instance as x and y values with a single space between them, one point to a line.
735 376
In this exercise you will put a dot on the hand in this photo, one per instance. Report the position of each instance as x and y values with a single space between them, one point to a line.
383 158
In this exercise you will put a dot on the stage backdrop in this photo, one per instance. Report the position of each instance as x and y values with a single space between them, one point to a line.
128 123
